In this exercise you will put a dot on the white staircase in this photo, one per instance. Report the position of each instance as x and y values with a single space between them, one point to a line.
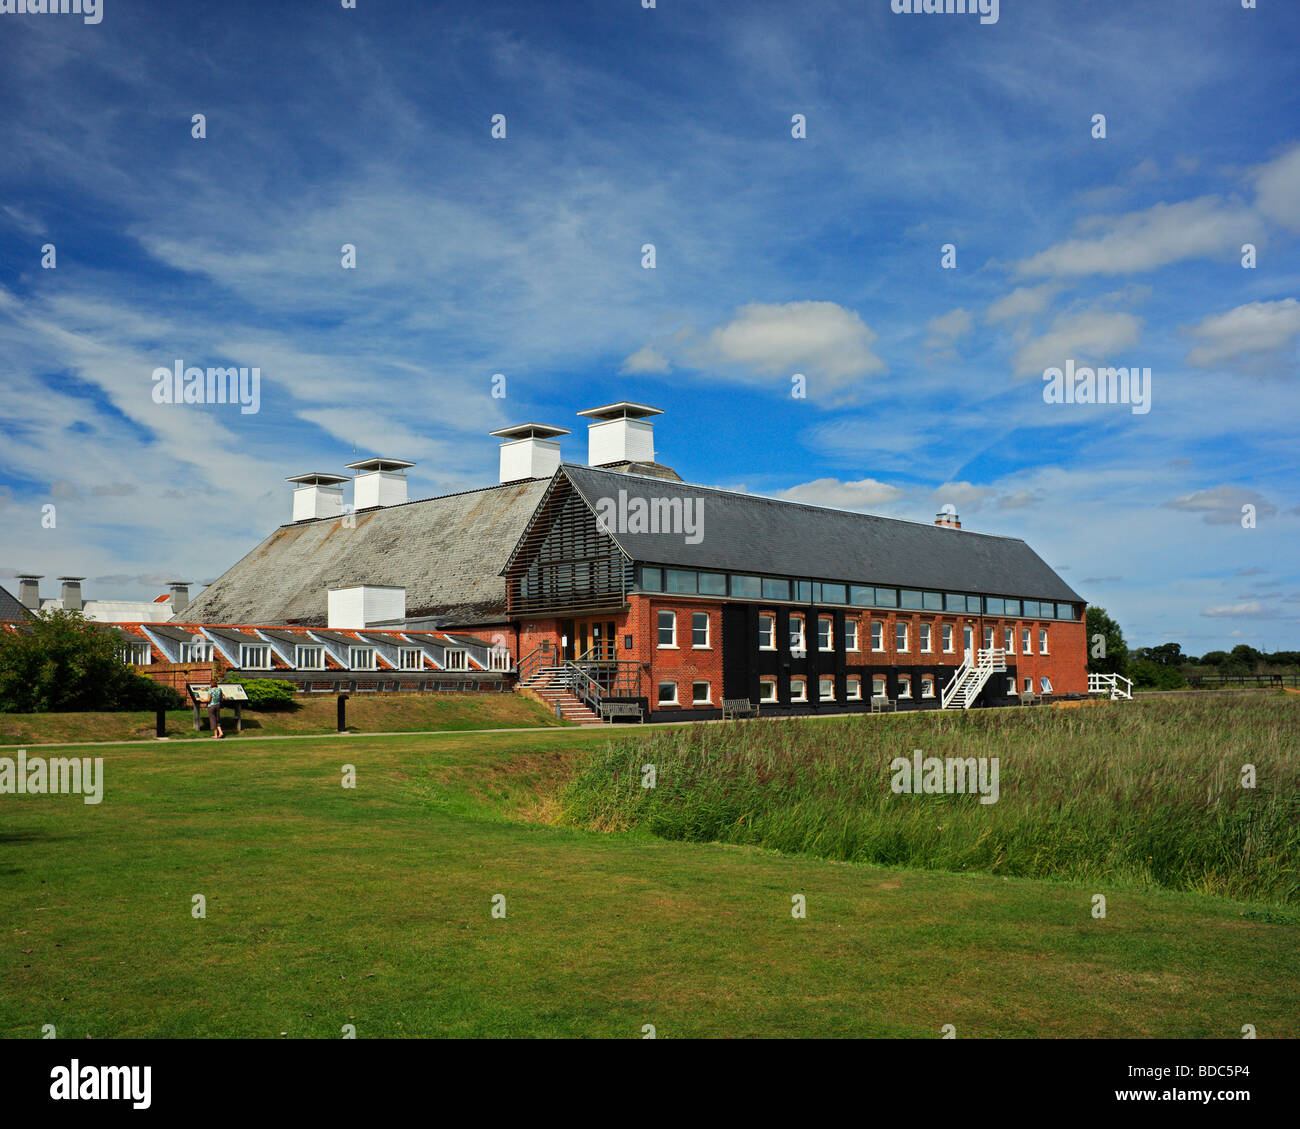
970 678
552 685
1111 684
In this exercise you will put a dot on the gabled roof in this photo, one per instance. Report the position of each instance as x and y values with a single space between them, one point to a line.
11 607
749 533
446 552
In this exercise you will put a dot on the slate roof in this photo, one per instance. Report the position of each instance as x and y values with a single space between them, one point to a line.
749 533
446 552
11 607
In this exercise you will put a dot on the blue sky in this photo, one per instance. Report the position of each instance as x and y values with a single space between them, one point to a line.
774 256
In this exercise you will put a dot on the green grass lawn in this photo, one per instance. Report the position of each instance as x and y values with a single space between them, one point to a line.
372 906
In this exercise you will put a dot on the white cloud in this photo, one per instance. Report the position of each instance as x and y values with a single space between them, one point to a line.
1257 327
647 359
1221 505
1022 302
963 495
1252 608
1092 335
947 328
862 494
1277 187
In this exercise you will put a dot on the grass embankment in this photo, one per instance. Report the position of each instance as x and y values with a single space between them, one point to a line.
372 906
366 713
1147 795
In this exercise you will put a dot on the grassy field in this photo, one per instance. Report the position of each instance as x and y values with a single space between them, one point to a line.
372 906
1148 795
367 713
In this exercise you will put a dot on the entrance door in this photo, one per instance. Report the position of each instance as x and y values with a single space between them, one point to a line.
968 641
567 640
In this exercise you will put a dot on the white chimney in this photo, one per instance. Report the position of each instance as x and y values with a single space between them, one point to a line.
317 495
529 450
620 433
379 482
361 605
180 595
71 592
29 591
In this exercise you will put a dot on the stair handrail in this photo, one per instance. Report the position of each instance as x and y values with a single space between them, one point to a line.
530 663
959 675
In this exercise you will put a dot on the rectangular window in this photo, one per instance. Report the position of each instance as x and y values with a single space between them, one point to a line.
853 687
798 690
713 583
1009 640
135 654
1029 685
1011 685
1064 611
826 689
974 604
886 597
767 632
1046 684
680 580
196 652
947 638
909 598
667 629
668 693
1012 608
988 638
932 601
453 660
803 591
796 633
904 685
700 694
850 633
775 589
825 634
993 605
1030 609
408 658
860 596
1026 641
747 587
877 636
699 630
927 685
1042 640
362 658
652 579
900 636
254 658
877 685
767 690
309 658
926 630
952 602
834 594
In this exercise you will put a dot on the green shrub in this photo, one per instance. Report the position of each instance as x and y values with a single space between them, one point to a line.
269 693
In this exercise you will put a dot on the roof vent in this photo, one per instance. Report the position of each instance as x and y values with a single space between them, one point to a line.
379 482
361 605
71 592
529 450
948 519
180 595
29 591
620 433
317 495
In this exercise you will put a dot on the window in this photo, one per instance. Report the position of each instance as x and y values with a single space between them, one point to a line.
1064 611
877 685
1012 608
363 658
974 604
408 658
1046 684
700 694
994 606
988 638
1029 685
967 637
747 587
767 690
932 601
700 630
1027 640
952 602
677 580
947 638
1011 685
832 594
926 629
904 685
1042 640
135 654
1009 640
455 660
909 598
850 634
796 633
861 596
499 658
927 685
254 658
877 636
853 686
652 579
900 636
713 583
887 597
767 632
776 589
825 634
803 591
667 629
200 652
798 690
826 688
309 658
668 693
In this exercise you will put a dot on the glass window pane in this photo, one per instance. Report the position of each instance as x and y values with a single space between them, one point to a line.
1031 609
993 605
974 604
932 601
909 598
803 590
681 581
952 602
861 596
713 583
1012 607
1064 611
775 589
886 597
834 594
747 587
652 579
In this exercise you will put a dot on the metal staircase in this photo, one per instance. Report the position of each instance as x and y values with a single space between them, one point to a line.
970 678
554 685
1110 684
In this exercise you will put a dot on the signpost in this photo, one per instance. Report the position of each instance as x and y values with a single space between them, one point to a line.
230 692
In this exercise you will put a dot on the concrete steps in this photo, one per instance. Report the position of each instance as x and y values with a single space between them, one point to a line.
551 685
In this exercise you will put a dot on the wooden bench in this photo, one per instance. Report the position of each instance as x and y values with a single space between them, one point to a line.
733 708
611 710
880 704
1029 698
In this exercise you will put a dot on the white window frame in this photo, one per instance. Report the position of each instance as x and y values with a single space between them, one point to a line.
298 650
133 649
659 630
659 694
246 648
927 685
904 680
410 658
853 687
1011 685
802 684
1046 684
204 652
988 638
1029 685
947 633
967 633
878 635
707 700
903 647
829 621
822 680
927 639
365 654
882 682
499 658
455 658
1026 640
850 634
695 617
1042 641
763 695
1009 640
803 636
768 632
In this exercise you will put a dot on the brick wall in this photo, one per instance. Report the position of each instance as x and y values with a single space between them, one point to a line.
176 675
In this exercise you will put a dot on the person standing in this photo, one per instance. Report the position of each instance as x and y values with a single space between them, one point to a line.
214 712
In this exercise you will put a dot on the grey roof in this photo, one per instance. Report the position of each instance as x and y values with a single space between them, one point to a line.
11 607
446 552
752 534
